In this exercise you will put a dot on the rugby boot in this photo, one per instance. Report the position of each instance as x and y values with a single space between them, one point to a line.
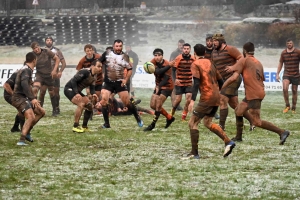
105 126
150 127
78 129
228 148
15 129
169 122
283 137
21 143
29 138
190 156
286 110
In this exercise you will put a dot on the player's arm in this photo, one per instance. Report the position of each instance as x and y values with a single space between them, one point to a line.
81 75
161 70
57 61
25 78
279 67
7 88
231 79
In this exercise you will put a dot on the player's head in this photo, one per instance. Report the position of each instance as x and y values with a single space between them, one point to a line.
218 40
128 47
109 49
209 41
88 49
158 54
30 58
248 48
49 41
180 44
95 69
35 47
186 49
289 44
199 50
118 46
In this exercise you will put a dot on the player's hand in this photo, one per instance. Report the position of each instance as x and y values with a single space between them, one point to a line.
172 63
125 109
78 97
35 103
228 69
95 99
53 74
123 84
177 82
59 74
191 106
278 78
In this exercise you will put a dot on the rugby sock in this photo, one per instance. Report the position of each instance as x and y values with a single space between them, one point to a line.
105 114
86 117
165 113
22 121
219 132
53 103
184 114
223 116
156 116
194 140
17 121
271 127
22 138
132 108
239 126
173 111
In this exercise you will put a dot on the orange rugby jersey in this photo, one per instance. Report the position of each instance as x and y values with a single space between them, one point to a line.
208 75
291 62
253 77
183 70
225 57
159 78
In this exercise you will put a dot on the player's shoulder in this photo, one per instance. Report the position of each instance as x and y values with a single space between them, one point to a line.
166 62
97 55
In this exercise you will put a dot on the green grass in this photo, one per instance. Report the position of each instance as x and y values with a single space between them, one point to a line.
126 163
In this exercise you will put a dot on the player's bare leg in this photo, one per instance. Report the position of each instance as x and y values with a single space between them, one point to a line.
188 97
175 104
42 94
285 85
105 94
294 97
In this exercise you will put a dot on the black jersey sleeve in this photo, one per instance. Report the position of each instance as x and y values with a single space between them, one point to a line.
102 59
79 76
161 70
25 82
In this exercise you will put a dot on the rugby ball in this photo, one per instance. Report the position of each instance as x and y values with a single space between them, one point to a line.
149 67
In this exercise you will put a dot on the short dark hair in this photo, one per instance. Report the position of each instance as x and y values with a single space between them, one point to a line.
118 41
88 46
49 37
34 44
249 47
181 41
289 40
199 49
30 57
187 45
158 50
109 48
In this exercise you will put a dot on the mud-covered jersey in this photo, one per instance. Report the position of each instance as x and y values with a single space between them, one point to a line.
114 65
208 76
253 76
225 57
11 82
291 62
183 70
23 83
82 79
57 52
160 77
88 62
43 65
